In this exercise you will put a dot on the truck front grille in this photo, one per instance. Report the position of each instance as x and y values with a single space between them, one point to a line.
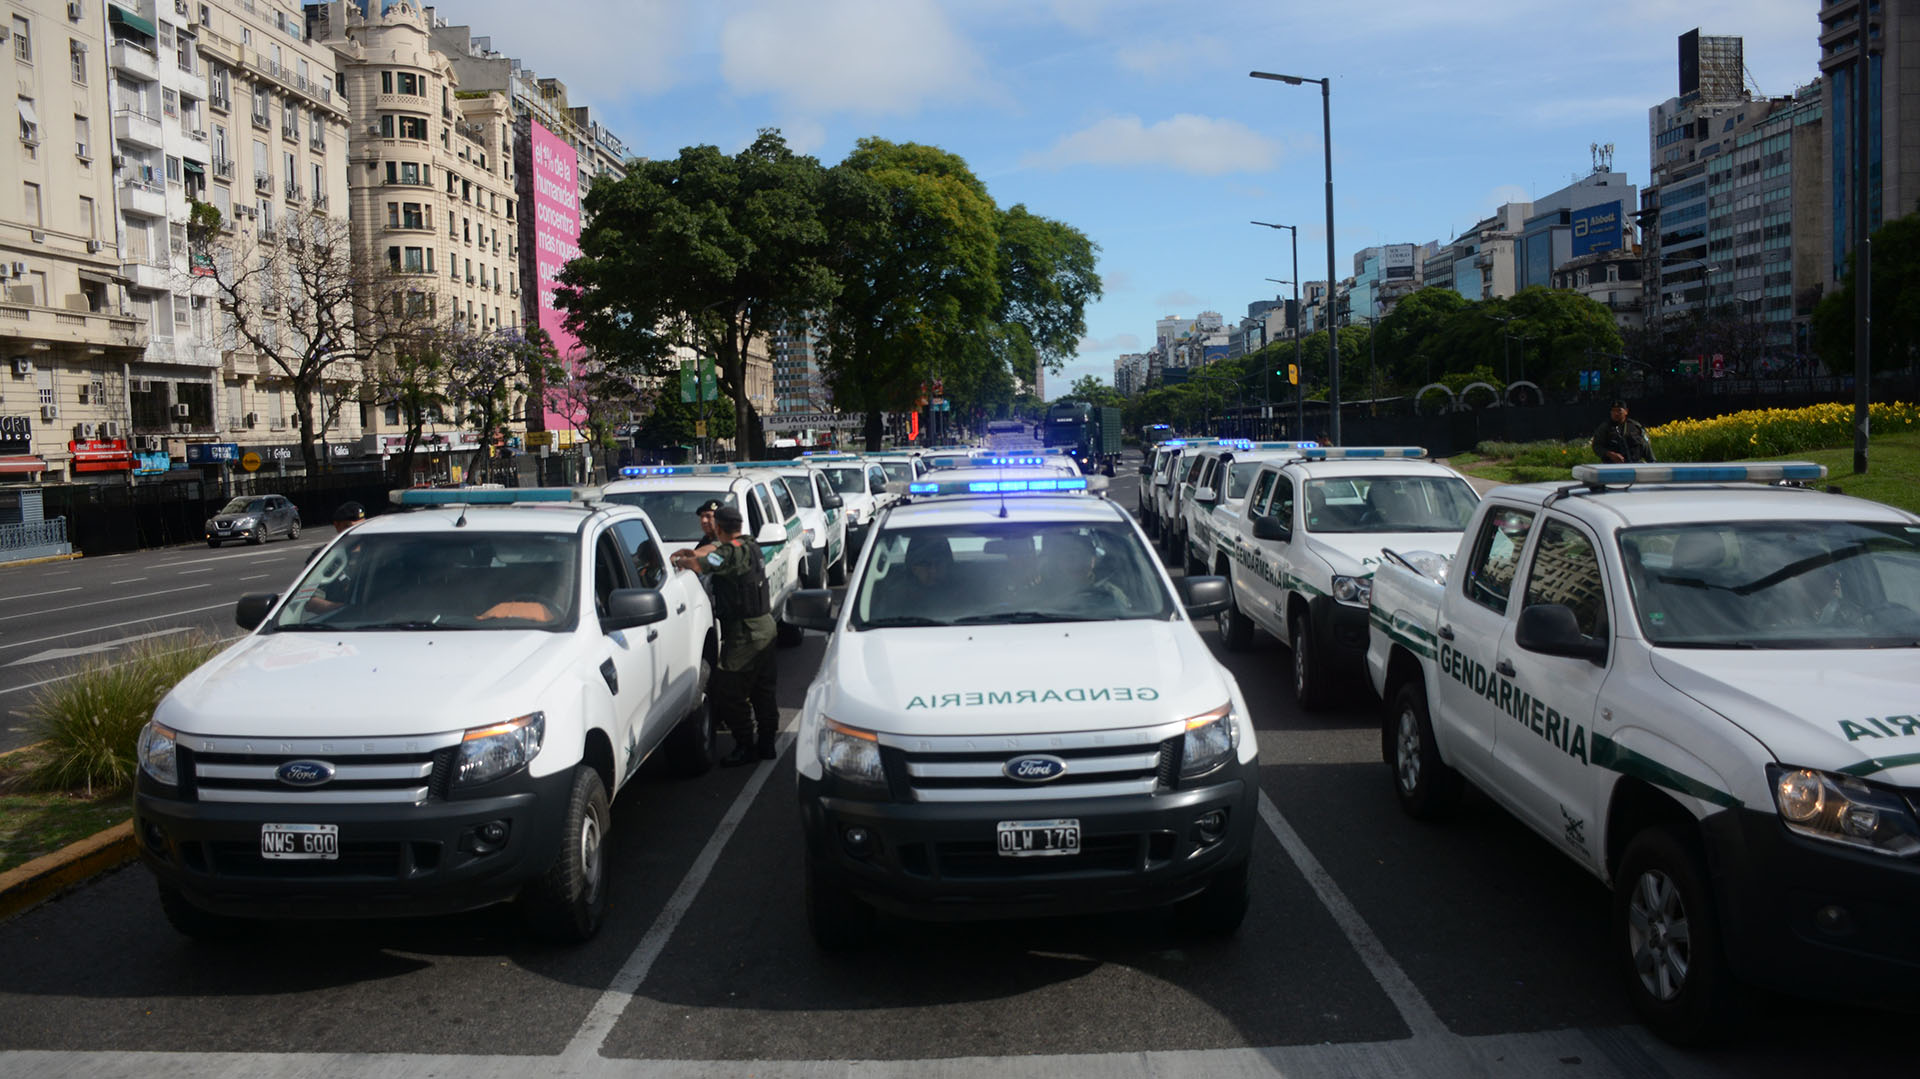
1098 764
366 771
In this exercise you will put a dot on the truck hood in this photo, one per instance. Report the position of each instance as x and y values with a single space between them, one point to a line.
1357 554
365 685
1854 711
1052 677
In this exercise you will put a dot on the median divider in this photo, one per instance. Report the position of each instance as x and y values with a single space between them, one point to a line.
27 886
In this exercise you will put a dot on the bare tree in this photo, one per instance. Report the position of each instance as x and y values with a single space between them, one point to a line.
314 314
485 372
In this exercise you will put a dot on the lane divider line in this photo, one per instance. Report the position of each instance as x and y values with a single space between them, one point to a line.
117 625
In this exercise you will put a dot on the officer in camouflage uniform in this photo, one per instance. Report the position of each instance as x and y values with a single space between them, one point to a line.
742 687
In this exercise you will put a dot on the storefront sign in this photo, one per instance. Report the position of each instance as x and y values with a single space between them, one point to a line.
101 455
212 453
16 434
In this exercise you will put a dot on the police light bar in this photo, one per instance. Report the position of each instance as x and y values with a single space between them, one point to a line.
637 471
1000 487
824 454
1767 472
788 464
488 496
1349 453
1250 444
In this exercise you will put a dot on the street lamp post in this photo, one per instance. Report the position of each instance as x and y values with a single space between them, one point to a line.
1333 337
1299 387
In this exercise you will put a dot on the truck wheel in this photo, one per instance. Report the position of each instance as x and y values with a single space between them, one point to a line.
837 573
1218 911
1309 674
693 744
567 904
1426 787
786 634
1666 940
837 918
190 921
1236 629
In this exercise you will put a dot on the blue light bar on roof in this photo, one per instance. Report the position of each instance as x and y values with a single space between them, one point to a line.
1763 472
636 471
1350 453
1309 445
1000 487
488 496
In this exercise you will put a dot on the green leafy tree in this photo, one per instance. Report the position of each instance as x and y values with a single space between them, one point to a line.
1896 304
672 422
704 252
1407 333
1090 389
1047 280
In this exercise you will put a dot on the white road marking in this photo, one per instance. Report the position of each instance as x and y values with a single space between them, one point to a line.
592 1035
256 576
203 569
98 602
129 580
70 674
30 595
89 649
283 552
115 625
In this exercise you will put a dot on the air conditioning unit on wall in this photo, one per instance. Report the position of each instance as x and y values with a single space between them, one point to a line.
180 412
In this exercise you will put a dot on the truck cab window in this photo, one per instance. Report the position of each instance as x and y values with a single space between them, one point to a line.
1496 557
1566 570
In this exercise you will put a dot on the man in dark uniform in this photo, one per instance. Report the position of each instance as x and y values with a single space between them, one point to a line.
1621 441
743 683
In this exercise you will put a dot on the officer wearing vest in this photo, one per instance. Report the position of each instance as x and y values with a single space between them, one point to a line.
743 684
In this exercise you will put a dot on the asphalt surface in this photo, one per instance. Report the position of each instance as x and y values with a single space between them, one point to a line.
58 616
1374 946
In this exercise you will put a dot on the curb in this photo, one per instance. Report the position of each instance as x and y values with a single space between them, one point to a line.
47 558
29 885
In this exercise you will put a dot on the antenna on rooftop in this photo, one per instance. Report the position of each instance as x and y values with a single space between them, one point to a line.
1602 156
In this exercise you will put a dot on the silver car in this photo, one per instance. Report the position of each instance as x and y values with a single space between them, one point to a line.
253 518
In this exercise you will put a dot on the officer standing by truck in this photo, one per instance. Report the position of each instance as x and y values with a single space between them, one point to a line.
744 682
1621 441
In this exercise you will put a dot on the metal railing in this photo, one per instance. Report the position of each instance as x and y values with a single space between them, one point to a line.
33 534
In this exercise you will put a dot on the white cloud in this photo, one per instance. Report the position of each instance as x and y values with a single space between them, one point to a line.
600 69
1119 342
867 56
1203 54
1186 143
1178 298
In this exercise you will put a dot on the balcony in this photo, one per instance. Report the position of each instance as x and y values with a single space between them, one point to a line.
319 200
223 168
220 102
136 128
142 197
294 193
72 327
190 83
150 274
263 183
196 142
264 123
129 59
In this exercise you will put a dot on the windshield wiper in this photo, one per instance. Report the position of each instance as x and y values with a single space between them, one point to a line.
902 620
1019 616
415 625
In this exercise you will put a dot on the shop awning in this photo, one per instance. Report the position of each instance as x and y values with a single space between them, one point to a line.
97 278
20 466
131 21
193 166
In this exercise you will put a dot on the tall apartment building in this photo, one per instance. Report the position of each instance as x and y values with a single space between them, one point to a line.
66 335
799 384
226 103
1892 85
430 182
1591 214
1479 263
1130 372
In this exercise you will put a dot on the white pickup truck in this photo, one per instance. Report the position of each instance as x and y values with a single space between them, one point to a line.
1301 550
1703 692
1226 475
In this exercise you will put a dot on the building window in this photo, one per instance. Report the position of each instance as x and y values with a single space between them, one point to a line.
29 123
289 119
413 127
77 57
82 137
386 127
411 217
173 169
32 216
22 40
410 83
386 82
416 260
183 53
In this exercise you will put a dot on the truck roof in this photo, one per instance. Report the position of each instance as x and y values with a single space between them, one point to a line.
1686 503
1367 466
552 517
983 509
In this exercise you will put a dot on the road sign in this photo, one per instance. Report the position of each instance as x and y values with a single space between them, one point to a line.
250 461
539 438
700 428
1293 374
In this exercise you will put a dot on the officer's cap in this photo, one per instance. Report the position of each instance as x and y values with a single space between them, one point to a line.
727 517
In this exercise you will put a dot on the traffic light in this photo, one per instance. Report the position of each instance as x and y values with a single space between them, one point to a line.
1293 374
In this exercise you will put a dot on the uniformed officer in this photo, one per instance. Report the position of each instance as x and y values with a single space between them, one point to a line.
1621 441
743 684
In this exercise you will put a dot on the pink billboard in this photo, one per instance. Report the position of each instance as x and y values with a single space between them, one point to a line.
556 241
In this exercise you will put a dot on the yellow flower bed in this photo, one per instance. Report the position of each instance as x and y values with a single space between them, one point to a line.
1774 432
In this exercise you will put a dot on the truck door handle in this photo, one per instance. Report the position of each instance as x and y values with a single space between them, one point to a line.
681 609
1446 633
653 635
1505 667
612 675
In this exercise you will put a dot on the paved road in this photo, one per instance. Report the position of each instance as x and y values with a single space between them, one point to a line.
1375 946
56 616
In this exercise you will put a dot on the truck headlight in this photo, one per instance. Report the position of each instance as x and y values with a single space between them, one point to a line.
1843 809
158 752
1210 741
494 751
852 756
1353 591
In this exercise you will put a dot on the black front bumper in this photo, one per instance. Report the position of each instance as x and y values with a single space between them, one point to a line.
1341 632
395 860
940 861
1813 918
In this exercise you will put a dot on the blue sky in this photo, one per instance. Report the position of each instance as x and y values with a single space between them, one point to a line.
1135 121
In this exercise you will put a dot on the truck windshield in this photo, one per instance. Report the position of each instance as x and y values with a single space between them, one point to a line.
434 581
847 481
900 472
675 512
1776 584
1389 504
1008 572
1240 477
801 488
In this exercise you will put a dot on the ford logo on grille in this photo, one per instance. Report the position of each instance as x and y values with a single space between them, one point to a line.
1035 769
304 773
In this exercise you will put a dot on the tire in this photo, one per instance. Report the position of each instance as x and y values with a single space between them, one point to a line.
1309 673
1195 567
567 904
190 921
1426 787
1236 629
258 536
837 573
1218 911
786 634
693 744
1665 936
836 917
293 530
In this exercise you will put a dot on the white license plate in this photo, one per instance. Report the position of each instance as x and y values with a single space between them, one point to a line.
309 841
1038 838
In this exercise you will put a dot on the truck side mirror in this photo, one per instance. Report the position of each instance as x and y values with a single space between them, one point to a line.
252 609
832 501
1551 629
1204 597
814 608
1266 527
770 533
628 608
1206 496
